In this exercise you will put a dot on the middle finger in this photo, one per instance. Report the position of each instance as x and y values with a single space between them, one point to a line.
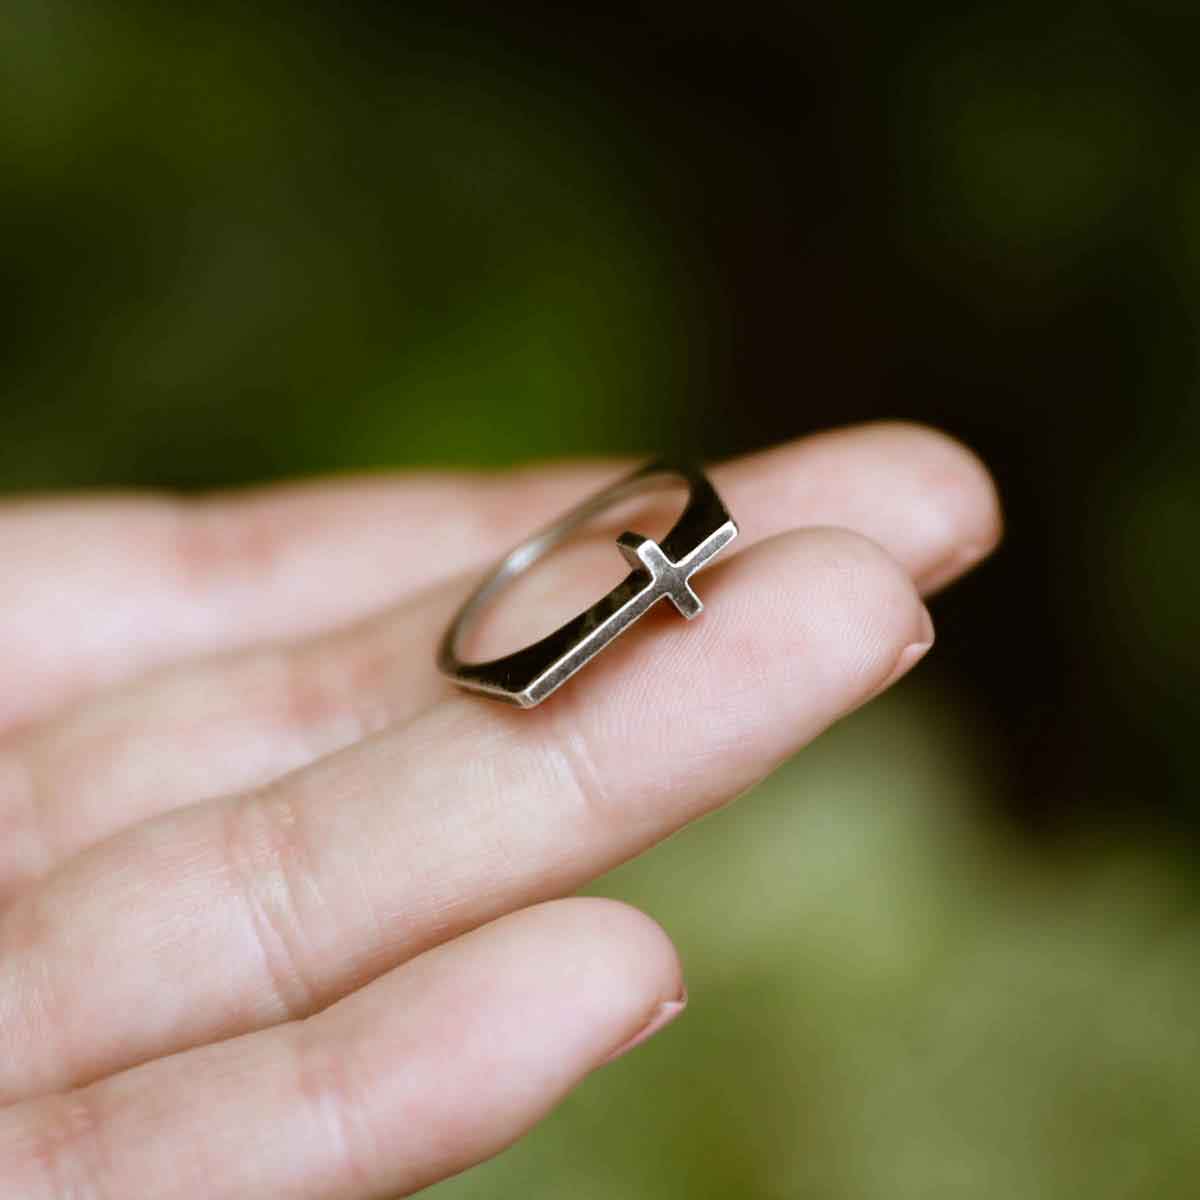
240 913
207 729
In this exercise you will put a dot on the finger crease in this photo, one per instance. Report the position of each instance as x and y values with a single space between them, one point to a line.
28 846
266 852
325 1082
576 762
70 1148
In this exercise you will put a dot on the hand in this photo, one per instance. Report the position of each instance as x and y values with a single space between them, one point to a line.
279 907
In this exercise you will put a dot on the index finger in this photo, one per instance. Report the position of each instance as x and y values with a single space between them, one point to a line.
99 590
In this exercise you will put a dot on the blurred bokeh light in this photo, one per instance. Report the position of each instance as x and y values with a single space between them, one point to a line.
954 949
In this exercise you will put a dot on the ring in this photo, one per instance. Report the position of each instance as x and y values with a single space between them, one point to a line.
660 570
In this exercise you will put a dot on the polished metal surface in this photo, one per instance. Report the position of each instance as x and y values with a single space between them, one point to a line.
660 571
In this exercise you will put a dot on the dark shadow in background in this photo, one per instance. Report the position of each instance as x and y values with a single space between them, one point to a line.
987 219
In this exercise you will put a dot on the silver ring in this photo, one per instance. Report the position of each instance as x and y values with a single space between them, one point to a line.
660 571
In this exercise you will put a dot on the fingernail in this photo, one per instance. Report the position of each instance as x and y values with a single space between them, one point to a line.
664 1014
956 563
910 655
926 638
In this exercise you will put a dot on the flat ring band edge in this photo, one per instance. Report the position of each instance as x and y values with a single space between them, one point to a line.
660 570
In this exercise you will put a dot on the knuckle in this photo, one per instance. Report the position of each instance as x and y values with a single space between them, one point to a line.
314 702
69 1146
326 1083
25 850
212 542
268 860
324 695
569 761
338 687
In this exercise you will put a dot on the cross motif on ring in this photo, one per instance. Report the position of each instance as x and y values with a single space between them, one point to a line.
668 578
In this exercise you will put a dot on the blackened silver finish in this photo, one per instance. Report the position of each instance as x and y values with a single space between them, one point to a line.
528 676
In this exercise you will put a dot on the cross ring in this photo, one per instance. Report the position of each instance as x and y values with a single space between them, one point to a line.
659 570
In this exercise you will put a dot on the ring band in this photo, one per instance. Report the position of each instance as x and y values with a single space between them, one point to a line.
660 570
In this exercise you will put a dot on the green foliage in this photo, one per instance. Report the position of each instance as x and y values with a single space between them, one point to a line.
282 254
892 1001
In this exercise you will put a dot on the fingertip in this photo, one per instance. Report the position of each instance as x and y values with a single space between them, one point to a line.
642 972
625 967
798 630
922 494
835 601
959 515
524 1008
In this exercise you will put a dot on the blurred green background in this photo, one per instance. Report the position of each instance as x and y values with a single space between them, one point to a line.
953 949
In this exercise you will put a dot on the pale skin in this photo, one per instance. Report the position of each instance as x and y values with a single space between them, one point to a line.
281 912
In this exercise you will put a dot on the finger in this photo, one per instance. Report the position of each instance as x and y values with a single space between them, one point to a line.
237 722
429 1070
241 912
99 591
